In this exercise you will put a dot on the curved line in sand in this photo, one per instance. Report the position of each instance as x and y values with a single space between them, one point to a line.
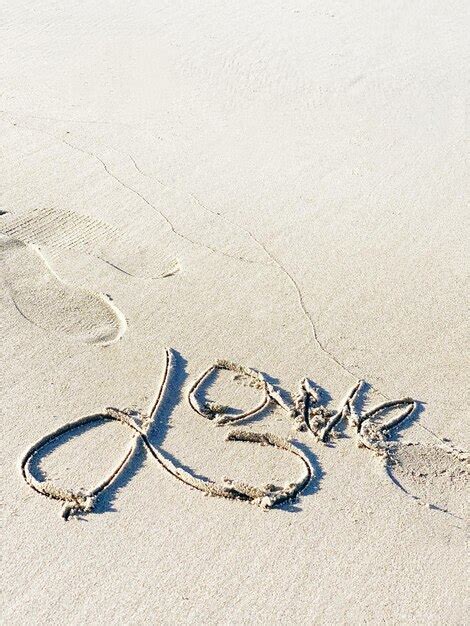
218 413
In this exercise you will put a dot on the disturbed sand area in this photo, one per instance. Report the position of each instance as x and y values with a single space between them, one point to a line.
279 185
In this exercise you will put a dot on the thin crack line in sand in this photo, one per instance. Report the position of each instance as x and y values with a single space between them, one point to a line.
291 279
278 264
268 253
153 207
173 229
166 186
300 298
274 260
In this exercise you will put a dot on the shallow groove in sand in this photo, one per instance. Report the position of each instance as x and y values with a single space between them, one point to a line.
134 191
83 501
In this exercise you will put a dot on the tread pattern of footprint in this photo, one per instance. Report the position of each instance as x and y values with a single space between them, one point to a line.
42 298
66 230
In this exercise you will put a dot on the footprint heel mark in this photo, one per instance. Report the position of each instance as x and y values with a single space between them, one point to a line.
45 300
66 230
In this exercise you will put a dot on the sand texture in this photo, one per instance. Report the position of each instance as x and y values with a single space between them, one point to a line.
233 312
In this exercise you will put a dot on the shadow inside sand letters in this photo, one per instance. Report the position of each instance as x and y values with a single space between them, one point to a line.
104 497
432 474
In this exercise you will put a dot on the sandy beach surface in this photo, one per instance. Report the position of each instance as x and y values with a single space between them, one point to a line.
186 186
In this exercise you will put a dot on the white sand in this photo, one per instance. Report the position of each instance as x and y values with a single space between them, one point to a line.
280 184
